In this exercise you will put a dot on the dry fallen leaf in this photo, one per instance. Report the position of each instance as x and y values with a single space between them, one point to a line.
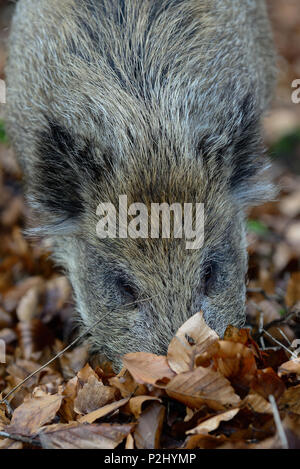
58 292
85 373
147 433
240 336
69 393
135 405
35 412
194 337
213 423
292 366
28 307
5 319
14 295
202 386
267 382
3 419
92 396
103 411
293 289
257 403
20 369
72 362
10 444
84 436
293 235
126 384
129 442
282 256
147 368
290 400
235 360
290 205
34 335
204 441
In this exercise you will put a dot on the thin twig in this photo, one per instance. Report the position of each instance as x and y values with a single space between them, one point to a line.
284 336
23 439
279 343
278 423
65 349
261 326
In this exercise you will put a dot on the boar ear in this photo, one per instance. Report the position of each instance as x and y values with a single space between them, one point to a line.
62 167
250 178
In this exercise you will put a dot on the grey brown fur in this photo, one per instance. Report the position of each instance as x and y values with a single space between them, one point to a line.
159 100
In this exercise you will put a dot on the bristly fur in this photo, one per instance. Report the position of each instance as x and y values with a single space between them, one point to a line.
161 100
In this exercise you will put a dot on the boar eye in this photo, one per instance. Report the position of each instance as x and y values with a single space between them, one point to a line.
126 288
209 277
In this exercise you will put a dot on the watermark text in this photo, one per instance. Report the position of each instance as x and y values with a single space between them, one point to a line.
161 221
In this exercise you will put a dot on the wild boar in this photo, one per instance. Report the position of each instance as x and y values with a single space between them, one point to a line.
158 100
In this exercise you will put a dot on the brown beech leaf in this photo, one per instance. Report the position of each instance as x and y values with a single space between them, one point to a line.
34 413
6 319
129 442
33 336
19 370
3 419
242 336
291 424
213 423
273 358
206 358
293 290
28 307
10 444
147 433
290 205
93 395
84 436
103 411
58 292
147 368
72 362
282 256
126 384
233 334
194 336
189 414
204 441
269 443
84 374
14 295
135 405
69 395
8 335
257 403
235 360
292 366
290 400
202 386
267 382
13 212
